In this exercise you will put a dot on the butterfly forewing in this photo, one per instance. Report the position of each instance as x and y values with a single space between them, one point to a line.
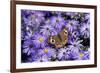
59 40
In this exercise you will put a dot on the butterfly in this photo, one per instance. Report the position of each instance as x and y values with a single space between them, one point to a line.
60 39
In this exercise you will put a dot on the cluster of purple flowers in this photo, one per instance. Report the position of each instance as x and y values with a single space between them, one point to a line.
38 26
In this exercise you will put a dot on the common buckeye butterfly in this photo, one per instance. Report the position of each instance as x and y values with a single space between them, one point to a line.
60 39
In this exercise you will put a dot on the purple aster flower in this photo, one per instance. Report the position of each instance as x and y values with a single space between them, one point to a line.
29 27
48 30
84 55
57 22
75 45
74 34
33 20
63 53
29 32
28 47
39 40
85 30
73 55
42 58
47 51
36 17
87 16
72 25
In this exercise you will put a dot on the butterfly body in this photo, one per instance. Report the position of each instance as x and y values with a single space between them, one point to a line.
60 39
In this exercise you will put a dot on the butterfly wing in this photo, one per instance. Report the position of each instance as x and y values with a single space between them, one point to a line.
54 40
59 40
64 36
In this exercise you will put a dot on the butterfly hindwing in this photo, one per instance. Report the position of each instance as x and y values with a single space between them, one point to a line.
54 40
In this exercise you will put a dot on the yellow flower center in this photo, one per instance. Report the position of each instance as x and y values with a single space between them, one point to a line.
72 16
81 55
48 20
41 39
46 50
